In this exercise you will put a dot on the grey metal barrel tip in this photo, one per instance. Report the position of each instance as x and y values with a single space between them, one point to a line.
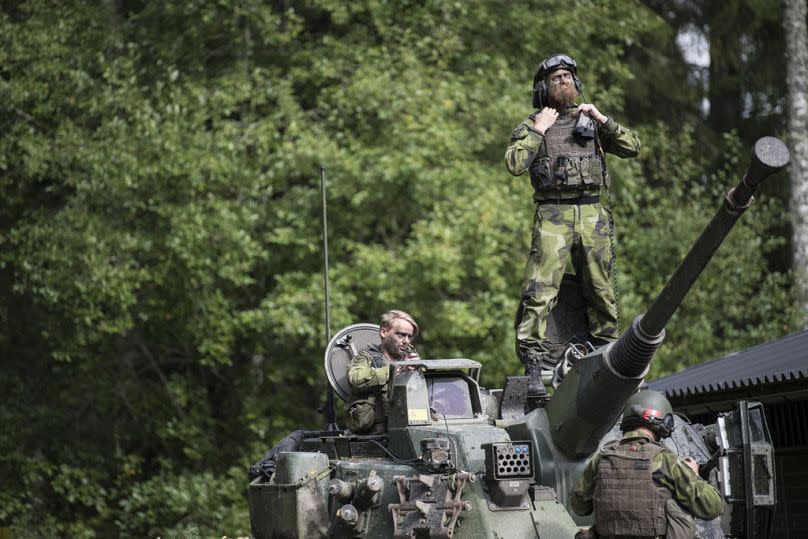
771 152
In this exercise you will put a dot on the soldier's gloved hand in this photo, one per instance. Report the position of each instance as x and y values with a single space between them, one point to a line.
593 112
545 119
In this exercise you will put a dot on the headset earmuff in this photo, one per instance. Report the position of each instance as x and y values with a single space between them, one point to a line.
667 425
539 94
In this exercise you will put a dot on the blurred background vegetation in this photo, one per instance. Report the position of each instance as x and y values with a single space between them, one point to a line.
161 289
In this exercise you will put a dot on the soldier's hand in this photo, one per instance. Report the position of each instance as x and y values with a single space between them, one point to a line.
692 464
405 368
593 112
545 119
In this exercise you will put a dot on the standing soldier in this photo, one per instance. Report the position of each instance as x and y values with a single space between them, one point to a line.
369 373
562 146
637 487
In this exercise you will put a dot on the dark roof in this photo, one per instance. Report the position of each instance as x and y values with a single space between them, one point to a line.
781 360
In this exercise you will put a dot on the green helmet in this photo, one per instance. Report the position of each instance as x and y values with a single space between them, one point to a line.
648 409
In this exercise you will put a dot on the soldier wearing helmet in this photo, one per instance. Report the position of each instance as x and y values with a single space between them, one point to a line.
562 146
637 487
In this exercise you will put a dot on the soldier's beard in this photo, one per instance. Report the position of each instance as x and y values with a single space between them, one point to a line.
562 97
391 348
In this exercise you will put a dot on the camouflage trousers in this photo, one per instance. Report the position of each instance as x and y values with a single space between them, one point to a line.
561 231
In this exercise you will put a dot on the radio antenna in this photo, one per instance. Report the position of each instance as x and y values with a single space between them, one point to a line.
331 409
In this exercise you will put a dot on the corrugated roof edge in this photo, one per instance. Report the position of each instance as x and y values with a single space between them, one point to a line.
780 360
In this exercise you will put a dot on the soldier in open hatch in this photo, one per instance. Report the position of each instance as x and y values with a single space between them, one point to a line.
562 146
637 486
369 373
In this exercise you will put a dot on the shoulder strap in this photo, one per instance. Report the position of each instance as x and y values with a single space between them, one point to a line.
375 355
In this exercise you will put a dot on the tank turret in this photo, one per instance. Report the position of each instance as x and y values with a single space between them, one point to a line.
461 461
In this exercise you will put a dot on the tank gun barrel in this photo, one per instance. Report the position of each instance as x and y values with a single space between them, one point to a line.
590 399
768 156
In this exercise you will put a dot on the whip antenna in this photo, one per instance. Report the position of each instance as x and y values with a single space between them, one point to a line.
331 411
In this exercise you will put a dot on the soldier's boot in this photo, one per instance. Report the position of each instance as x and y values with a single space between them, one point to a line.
535 386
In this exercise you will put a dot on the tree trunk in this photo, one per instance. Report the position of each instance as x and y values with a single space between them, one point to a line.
794 16
727 85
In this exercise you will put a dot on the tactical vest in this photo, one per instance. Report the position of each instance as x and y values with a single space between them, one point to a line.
626 499
375 354
563 163
367 410
381 394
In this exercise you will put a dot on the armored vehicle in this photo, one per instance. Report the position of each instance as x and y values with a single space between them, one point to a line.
462 461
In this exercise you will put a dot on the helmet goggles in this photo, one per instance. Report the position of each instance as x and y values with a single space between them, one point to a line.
556 62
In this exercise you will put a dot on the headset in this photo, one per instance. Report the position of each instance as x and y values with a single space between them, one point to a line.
648 417
553 63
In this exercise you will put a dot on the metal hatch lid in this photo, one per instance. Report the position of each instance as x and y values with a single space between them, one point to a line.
345 344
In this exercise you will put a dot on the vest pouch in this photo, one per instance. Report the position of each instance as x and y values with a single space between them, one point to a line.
541 174
569 168
590 170
680 523
360 415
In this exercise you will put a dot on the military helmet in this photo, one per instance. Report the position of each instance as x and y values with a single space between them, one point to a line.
553 63
648 409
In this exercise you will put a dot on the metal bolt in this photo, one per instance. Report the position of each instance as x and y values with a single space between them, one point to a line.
349 515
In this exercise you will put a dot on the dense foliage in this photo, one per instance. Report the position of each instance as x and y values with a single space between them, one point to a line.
160 225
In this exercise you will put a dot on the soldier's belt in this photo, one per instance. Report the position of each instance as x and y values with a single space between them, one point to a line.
593 199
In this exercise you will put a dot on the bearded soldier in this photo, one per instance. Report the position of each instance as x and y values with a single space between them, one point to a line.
562 146
369 373
637 487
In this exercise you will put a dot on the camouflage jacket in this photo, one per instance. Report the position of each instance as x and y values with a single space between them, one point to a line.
694 494
368 371
525 142
368 374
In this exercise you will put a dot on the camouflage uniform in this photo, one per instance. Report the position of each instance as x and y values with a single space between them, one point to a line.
693 495
569 220
368 374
